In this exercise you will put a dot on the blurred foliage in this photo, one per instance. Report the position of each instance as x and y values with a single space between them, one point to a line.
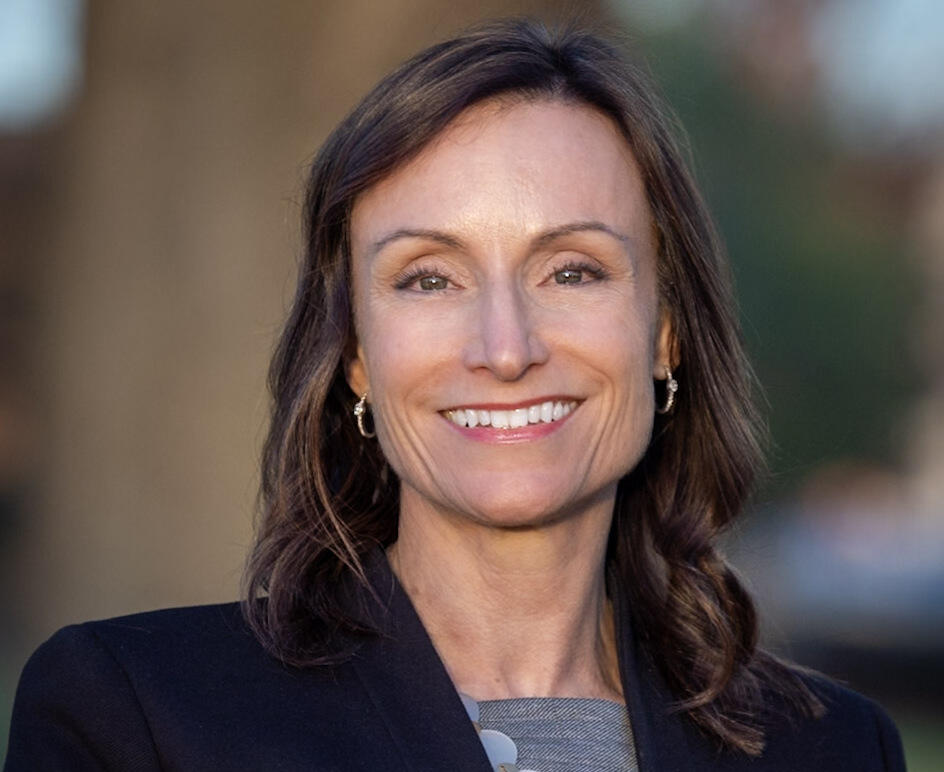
824 285
923 741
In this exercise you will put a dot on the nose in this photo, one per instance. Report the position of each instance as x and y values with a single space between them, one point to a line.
504 338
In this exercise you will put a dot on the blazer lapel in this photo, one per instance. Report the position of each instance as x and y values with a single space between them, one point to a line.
408 683
666 741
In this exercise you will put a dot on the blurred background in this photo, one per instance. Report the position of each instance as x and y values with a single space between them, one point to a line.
151 159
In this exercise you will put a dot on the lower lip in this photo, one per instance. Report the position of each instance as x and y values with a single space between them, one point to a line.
527 433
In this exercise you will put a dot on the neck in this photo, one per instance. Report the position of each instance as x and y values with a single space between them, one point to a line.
514 612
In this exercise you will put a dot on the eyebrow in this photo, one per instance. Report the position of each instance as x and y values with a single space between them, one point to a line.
579 227
541 240
413 233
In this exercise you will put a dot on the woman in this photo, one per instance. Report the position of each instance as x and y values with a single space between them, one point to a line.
511 416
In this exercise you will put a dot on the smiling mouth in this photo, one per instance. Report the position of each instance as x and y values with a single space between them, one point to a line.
512 418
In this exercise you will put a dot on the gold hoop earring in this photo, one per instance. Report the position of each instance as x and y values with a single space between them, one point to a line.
671 386
360 409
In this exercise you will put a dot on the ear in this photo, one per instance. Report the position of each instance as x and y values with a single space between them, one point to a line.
355 371
666 350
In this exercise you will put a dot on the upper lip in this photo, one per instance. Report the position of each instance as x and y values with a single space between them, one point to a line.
514 405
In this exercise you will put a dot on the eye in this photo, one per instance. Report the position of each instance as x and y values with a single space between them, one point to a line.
424 279
432 283
578 273
568 276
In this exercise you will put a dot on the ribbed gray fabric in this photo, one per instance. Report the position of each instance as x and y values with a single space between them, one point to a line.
556 734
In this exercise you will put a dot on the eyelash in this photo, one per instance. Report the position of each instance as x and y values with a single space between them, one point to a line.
414 274
596 271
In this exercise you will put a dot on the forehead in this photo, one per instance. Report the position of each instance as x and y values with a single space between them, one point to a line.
512 167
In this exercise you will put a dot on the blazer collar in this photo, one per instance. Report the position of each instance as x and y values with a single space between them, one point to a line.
408 683
666 741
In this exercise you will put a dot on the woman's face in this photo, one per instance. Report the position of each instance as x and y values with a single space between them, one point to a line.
507 317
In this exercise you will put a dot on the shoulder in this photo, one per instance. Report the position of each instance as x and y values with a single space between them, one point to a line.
187 688
112 638
185 624
166 632
82 697
180 639
854 732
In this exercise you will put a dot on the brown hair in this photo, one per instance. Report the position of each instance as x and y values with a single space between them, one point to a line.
329 498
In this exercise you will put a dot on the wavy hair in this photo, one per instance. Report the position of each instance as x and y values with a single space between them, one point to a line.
328 497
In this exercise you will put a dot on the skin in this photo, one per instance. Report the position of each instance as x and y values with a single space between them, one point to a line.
512 262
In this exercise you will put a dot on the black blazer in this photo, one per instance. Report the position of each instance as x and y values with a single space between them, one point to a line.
191 689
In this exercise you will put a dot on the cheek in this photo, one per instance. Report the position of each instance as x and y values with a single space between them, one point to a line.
622 340
632 414
626 346
408 357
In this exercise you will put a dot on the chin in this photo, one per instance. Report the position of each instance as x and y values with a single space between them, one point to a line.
516 517
523 505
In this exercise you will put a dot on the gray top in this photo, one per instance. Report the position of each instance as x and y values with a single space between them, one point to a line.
556 734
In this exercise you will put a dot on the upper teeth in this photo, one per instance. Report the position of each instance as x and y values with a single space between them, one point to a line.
545 412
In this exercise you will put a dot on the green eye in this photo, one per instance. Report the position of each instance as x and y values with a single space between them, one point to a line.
568 276
431 283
